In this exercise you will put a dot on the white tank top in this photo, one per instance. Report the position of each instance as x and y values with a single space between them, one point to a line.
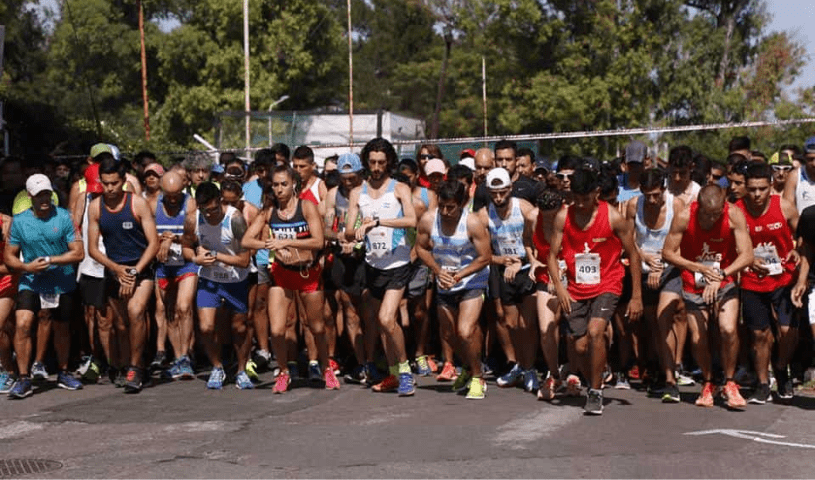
804 190
386 247
651 241
88 266
507 235
455 252
221 239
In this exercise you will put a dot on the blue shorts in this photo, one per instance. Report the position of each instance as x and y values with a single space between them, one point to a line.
234 296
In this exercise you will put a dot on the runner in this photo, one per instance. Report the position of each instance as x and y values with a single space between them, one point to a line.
223 288
386 208
710 243
176 277
8 292
592 236
128 230
766 285
296 240
50 247
455 245
800 188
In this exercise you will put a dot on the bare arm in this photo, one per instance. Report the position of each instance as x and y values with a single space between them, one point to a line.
624 229
424 245
744 246
555 244
251 239
481 241
353 212
148 225
790 186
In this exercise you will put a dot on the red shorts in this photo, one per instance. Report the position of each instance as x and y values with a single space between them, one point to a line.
306 281
163 283
8 286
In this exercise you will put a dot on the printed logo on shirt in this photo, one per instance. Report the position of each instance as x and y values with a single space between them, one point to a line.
127 225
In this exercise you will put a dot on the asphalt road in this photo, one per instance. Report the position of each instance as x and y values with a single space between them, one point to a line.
180 429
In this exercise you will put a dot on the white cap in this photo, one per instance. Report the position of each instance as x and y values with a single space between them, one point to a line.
498 178
37 183
435 165
468 162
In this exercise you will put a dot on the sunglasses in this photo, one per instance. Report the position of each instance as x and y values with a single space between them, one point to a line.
563 176
782 168
425 156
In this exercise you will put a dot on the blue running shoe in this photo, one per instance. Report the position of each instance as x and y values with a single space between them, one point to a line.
423 367
372 375
174 371
67 381
185 368
6 382
314 373
216 379
243 382
406 385
21 389
38 371
531 381
511 378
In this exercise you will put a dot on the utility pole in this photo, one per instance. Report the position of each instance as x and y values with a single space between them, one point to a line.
448 40
247 107
350 80
3 105
144 74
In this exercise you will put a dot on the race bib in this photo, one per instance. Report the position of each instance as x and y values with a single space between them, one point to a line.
377 242
510 247
769 256
561 265
174 257
49 300
587 268
699 278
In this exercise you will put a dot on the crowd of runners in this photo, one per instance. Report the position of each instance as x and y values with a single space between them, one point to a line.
560 278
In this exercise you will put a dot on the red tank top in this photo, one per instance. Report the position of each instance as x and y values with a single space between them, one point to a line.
769 231
592 256
707 246
542 248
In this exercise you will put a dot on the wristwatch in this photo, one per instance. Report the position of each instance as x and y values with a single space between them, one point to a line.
132 271
721 272
377 223
47 259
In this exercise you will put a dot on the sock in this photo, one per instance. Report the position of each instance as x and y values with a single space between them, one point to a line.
404 367
394 370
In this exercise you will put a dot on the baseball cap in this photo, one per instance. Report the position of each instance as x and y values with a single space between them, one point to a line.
155 168
809 145
349 163
92 179
498 178
541 164
37 183
467 153
101 148
114 150
434 165
468 162
635 152
217 168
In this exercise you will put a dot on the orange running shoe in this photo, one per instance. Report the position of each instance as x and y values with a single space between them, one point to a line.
448 373
706 397
282 383
331 382
335 367
548 389
732 396
390 384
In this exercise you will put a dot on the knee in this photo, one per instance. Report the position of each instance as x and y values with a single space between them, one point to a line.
728 331
207 328
581 345
183 311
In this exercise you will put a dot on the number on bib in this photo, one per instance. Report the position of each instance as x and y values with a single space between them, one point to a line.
587 268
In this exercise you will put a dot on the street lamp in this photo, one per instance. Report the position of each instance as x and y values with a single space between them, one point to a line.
279 100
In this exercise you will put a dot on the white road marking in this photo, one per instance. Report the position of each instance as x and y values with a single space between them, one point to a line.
760 437
19 428
518 433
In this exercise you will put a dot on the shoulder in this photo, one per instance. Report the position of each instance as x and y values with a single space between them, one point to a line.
426 221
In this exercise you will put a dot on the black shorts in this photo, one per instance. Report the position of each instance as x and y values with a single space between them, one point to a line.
112 281
30 300
419 280
601 306
348 274
512 293
253 279
380 281
451 301
757 309
669 281
695 301
92 291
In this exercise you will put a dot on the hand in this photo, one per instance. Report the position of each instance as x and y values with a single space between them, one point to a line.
634 310
564 299
446 279
367 225
654 262
203 257
37 265
653 279
164 249
127 282
277 244
793 257
798 292
513 266
710 292
284 255
758 267
167 236
346 248
711 274
534 265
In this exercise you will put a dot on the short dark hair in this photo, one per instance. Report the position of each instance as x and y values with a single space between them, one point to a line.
453 190
735 158
108 165
584 180
504 144
282 149
701 169
680 157
141 156
758 169
332 179
459 171
549 198
569 162
526 152
652 178
230 185
206 192
379 144
226 157
264 158
738 143
304 152
608 186
795 149
409 163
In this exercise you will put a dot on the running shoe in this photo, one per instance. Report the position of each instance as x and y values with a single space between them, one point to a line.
6 382
422 366
745 377
251 370
389 384
335 367
634 373
185 369
243 382
84 364
119 379
372 375
67 381
706 397
732 396
133 381
21 389
38 371
531 381
216 378
314 373
262 358
434 368
331 382
786 390
622 382
573 386
671 394
407 386
355 376
511 378
174 371
92 372
548 389
607 376
594 402
683 380
158 361
477 390
294 371
282 383
462 380
448 373
761 395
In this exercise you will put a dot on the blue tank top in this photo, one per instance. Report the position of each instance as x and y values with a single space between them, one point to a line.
175 225
455 252
507 235
122 233
652 240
